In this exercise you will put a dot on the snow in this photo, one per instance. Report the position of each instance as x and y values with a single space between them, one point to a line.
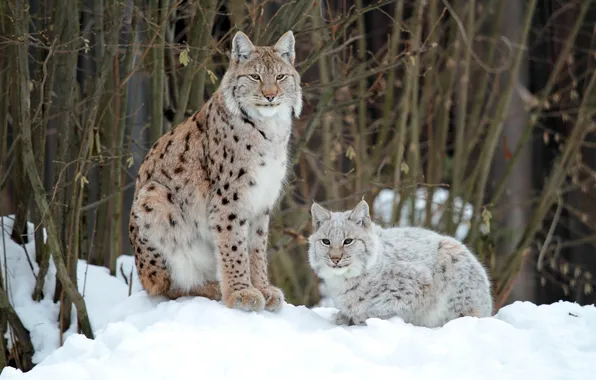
100 290
155 339
142 337
383 209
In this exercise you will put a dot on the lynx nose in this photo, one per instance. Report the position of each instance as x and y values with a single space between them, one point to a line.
335 259
269 93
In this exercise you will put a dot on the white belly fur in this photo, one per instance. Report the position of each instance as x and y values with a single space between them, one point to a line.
189 251
193 265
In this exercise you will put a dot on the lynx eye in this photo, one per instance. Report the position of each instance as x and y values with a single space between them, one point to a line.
326 242
348 241
255 76
281 77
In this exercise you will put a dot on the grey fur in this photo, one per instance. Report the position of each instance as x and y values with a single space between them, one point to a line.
423 277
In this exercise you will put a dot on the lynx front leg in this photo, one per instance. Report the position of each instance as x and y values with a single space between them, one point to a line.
341 319
258 234
231 233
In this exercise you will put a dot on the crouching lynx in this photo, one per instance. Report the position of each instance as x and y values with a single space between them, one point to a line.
425 278
200 216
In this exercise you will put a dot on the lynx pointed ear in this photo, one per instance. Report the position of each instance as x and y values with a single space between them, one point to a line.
242 47
285 47
319 215
360 215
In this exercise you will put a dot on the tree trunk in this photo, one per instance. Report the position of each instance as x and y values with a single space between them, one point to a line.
160 13
519 183
28 158
115 250
21 334
196 72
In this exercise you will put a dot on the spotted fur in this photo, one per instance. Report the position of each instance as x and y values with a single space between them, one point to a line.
200 215
423 277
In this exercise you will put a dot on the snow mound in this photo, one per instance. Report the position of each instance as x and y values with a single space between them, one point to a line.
100 290
142 337
150 338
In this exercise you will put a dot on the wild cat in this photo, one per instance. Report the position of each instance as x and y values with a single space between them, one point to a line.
423 277
200 217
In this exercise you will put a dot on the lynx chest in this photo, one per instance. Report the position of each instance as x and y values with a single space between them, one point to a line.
269 169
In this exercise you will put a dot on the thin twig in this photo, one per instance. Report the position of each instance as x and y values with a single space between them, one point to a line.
550 233
466 41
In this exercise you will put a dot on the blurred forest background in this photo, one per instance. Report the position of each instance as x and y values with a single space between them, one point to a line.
487 103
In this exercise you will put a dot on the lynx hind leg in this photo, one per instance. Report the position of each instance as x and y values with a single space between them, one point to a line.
471 296
477 310
155 279
153 216
450 248
152 271
470 312
210 290
158 218
468 302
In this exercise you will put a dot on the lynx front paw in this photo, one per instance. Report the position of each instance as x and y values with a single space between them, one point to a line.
249 299
359 321
342 319
274 298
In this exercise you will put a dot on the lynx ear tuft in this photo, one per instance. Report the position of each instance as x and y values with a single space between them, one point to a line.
242 47
361 215
319 215
285 47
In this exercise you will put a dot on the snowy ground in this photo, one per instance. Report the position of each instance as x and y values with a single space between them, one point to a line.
139 337
101 291
197 338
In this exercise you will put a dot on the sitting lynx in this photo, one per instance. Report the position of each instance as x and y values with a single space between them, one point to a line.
200 216
425 278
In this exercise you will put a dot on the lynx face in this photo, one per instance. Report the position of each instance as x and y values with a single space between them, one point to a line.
342 243
261 80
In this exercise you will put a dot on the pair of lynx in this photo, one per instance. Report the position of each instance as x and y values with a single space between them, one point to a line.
200 216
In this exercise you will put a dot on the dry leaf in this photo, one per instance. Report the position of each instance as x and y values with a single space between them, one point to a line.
405 168
84 181
184 58
212 76
486 217
350 153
